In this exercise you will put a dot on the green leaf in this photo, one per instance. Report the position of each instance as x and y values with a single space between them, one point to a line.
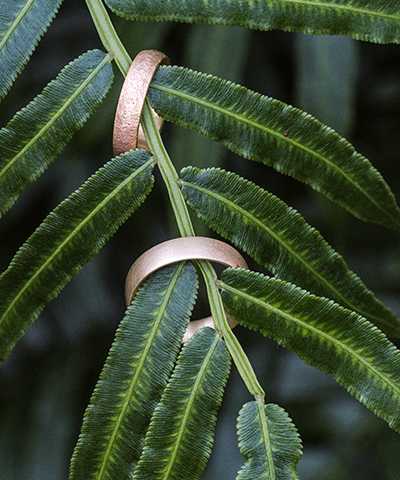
22 24
179 441
269 131
269 442
327 336
372 20
135 374
67 239
279 238
39 132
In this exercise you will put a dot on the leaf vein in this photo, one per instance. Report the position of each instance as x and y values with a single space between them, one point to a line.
188 407
56 116
139 369
74 233
279 239
256 125
18 19
315 330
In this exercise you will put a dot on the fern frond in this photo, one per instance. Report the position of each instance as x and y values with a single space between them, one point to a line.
269 131
269 442
372 20
22 24
279 238
67 239
39 132
134 376
179 441
327 336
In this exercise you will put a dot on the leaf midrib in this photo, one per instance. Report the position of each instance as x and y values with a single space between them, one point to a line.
189 403
350 8
330 339
74 232
17 20
256 125
262 414
56 116
281 241
356 10
142 360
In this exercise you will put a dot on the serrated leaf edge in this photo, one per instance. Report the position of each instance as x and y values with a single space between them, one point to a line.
270 232
139 369
242 119
53 119
75 231
223 286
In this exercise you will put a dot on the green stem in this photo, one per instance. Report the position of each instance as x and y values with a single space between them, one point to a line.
239 356
116 49
168 172
185 226
108 35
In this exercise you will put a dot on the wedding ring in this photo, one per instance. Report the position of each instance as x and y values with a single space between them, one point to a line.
180 250
128 134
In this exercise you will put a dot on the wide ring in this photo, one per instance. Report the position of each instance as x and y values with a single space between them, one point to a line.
178 250
128 134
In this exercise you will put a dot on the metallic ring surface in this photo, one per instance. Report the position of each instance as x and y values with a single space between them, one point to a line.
178 250
128 133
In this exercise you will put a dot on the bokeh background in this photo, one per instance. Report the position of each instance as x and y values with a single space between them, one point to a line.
47 382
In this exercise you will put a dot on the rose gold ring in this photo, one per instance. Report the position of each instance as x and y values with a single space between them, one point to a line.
179 250
128 134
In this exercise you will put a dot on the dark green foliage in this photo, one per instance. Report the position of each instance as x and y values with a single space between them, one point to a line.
67 239
269 441
39 132
22 23
142 422
279 238
134 376
324 334
269 131
372 20
179 441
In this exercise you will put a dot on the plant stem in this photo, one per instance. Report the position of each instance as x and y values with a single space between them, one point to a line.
116 49
168 172
238 355
185 226
108 35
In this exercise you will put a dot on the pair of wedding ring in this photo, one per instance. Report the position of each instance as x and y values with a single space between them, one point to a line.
129 135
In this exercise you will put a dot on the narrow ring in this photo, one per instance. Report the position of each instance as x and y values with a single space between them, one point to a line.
178 250
128 134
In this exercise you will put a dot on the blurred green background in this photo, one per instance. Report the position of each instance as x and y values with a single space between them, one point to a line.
46 384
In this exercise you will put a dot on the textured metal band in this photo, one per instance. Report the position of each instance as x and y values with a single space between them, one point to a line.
128 133
178 250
